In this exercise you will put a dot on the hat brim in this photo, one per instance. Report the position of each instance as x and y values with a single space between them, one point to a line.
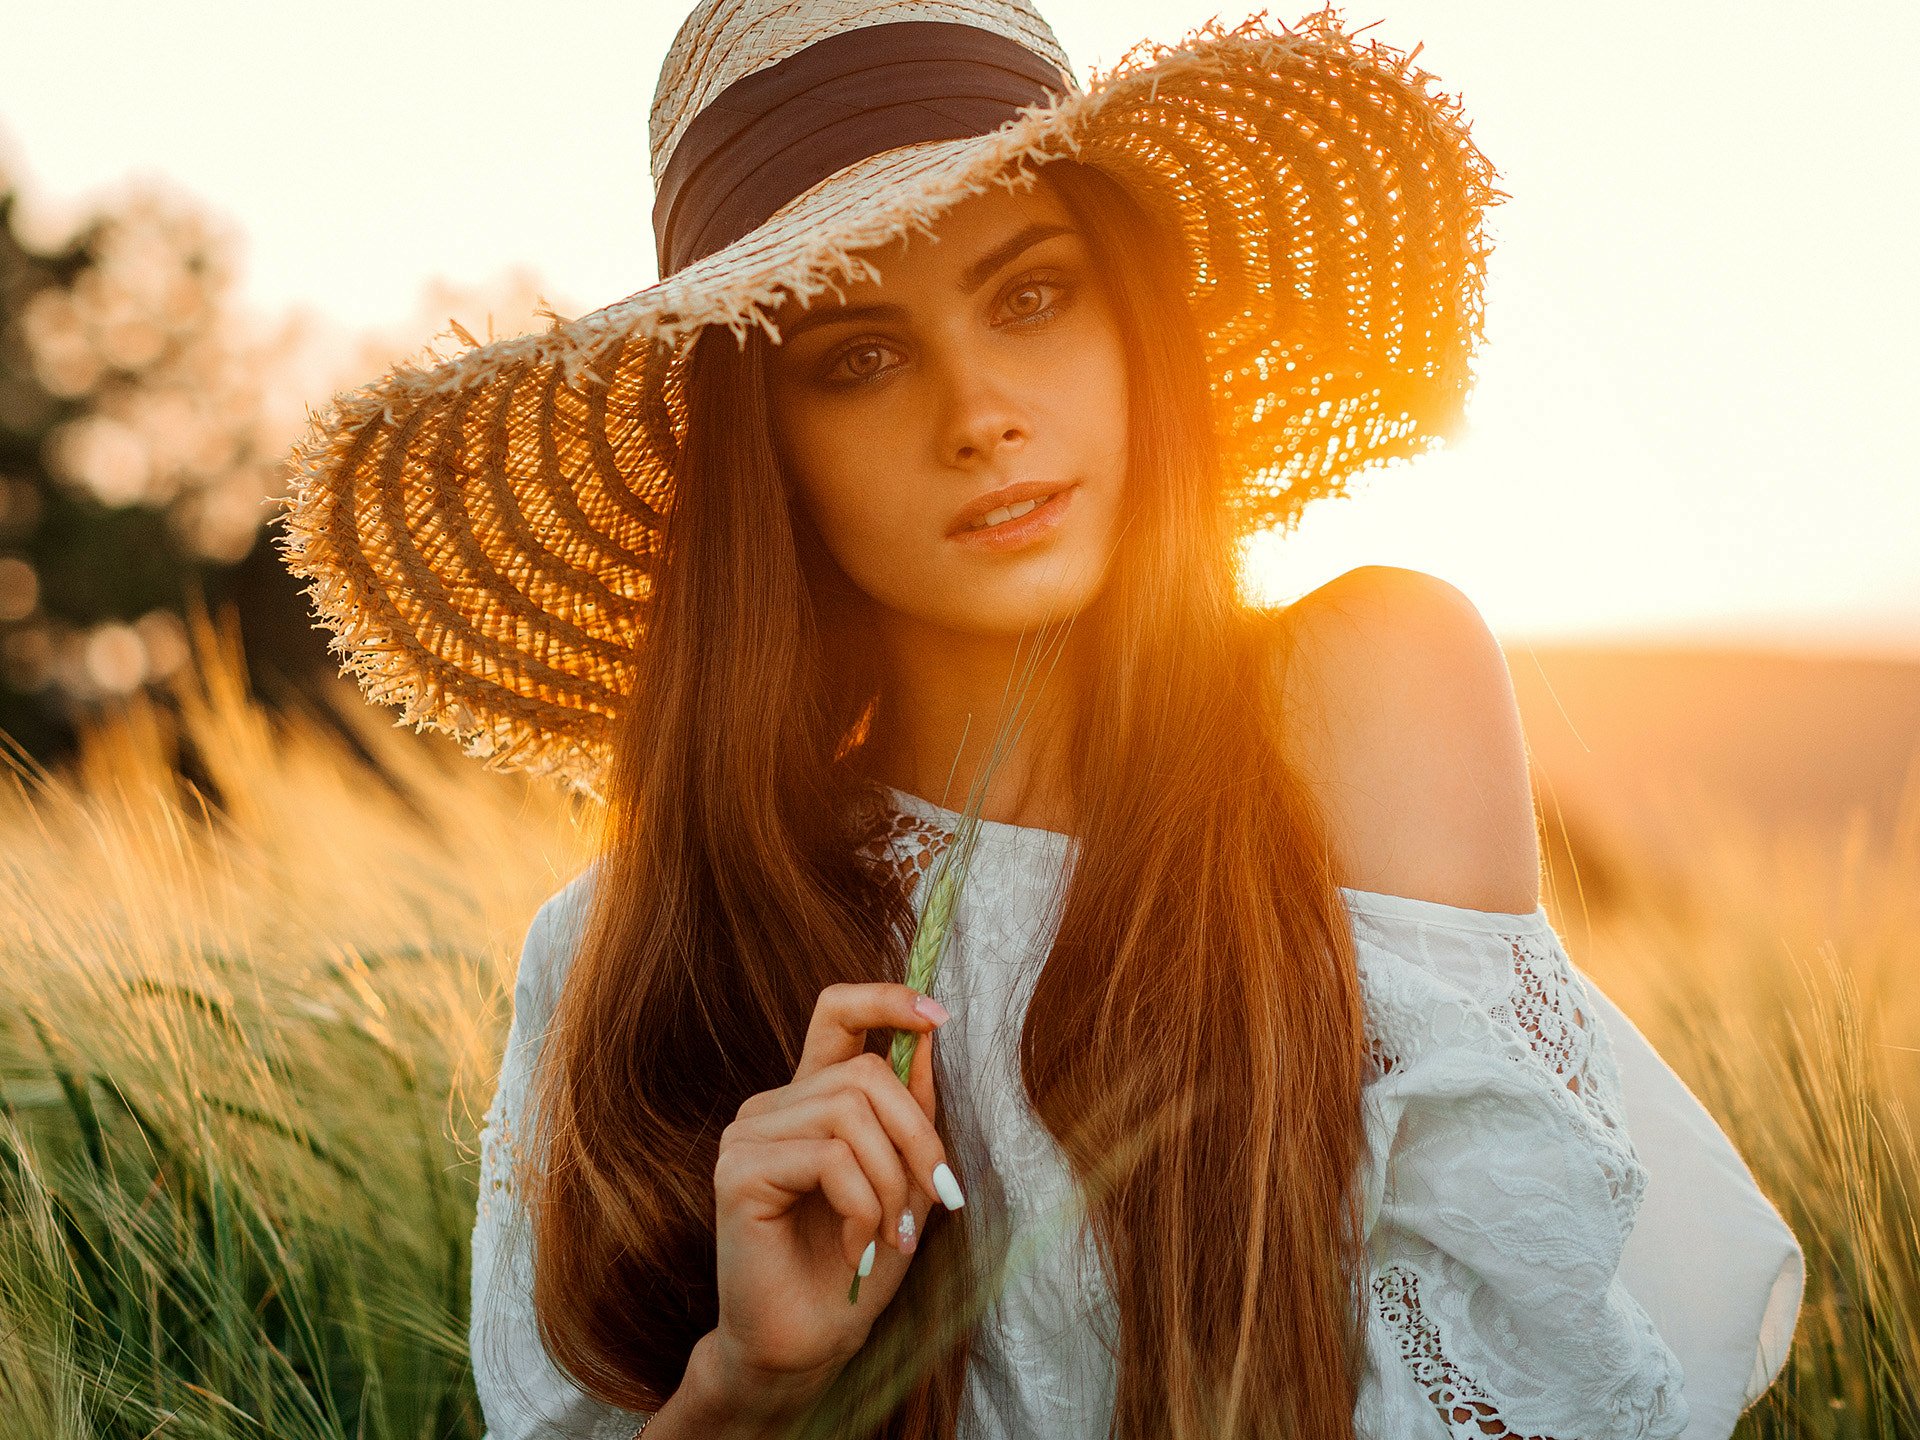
484 533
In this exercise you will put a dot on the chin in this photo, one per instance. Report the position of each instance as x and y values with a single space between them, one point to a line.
1008 611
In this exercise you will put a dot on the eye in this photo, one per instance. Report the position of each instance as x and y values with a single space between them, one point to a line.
1036 299
857 363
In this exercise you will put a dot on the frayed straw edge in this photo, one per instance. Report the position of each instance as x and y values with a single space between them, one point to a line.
505 731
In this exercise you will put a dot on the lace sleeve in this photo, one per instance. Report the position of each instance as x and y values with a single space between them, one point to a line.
523 1394
1502 1191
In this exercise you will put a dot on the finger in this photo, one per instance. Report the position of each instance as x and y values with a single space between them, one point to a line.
848 1114
922 1089
765 1179
909 1128
844 1014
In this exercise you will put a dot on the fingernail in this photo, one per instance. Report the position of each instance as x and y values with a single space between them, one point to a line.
948 1187
931 1008
866 1260
907 1242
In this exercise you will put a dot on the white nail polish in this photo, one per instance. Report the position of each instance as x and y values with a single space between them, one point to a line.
906 1231
948 1187
866 1259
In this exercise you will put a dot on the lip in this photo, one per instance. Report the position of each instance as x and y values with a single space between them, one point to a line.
1036 522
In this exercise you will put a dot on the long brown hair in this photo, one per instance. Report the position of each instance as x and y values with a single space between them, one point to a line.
1195 1042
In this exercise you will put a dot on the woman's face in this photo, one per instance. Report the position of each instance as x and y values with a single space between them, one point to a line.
986 361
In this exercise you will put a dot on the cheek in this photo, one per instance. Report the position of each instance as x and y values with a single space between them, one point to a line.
839 473
1094 401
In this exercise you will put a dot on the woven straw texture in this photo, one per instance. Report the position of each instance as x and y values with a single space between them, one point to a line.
483 532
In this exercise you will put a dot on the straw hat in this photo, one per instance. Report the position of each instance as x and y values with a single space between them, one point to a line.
484 532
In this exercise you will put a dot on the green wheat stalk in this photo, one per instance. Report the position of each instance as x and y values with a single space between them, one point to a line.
935 923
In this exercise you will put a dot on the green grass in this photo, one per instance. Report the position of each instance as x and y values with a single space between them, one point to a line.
1776 973
247 1032
249 1025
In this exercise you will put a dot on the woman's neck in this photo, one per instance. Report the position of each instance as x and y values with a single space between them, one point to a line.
943 698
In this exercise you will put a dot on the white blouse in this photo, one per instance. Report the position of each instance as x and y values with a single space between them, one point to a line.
1527 1276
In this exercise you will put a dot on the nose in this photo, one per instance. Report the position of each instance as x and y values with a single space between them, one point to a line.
985 418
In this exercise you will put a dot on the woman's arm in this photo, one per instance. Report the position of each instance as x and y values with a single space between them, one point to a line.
1502 1188
523 1394
1503 1183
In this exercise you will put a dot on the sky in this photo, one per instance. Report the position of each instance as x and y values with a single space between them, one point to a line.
1698 410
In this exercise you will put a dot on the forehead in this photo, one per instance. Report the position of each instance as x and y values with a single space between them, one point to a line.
917 263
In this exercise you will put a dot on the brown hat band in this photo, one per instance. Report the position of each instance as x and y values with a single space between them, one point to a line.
776 133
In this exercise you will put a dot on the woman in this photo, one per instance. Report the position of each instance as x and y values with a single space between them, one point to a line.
1232 1134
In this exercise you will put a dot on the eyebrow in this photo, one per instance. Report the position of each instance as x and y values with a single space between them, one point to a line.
971 279
978 273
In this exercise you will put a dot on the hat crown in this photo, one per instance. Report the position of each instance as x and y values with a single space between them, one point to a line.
722 41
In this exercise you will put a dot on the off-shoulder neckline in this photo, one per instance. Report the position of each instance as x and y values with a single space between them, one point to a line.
989 829
1377 903
1380 904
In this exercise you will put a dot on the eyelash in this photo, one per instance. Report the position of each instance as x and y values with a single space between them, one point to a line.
1063 295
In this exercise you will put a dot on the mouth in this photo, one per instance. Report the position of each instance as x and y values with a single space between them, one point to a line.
1013 517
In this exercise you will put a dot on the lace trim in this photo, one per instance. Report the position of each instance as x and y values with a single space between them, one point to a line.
1543 1003
1466 1408
1547 1004
899 847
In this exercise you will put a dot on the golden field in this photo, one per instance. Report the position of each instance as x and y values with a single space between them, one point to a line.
258 972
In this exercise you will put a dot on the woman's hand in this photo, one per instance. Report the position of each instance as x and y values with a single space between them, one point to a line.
807 1176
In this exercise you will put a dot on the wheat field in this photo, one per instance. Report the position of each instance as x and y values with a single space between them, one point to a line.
258 968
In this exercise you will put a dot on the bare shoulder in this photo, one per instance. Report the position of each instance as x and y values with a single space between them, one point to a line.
1399 713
